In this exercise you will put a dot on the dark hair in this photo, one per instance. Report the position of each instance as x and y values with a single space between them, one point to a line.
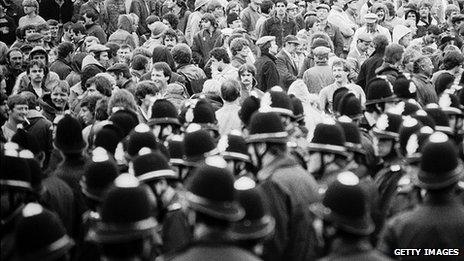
342 63
162 66
139 62
31 99
434 29
162 54
114 47
380 41
182 54
101 109
52 22
67 26
393 53
90 102
170 33
281 1
78 28
16 99
42 27
230 90
172 19
417 62
92 15
237 44
33 63
220 54
210 18
183 7
143 88
266 6
102 85
64 49
247 67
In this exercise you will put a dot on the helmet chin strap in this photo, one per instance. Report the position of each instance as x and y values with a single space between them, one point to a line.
259 157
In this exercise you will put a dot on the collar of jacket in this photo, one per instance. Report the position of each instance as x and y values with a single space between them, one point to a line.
422 77
276 19
278 163
272 57
34 114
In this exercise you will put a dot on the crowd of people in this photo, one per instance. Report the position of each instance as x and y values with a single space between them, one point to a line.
232 129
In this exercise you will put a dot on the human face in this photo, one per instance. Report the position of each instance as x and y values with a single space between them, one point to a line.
218 12
123 54
339 74
40 57
382 147
424 12
380 13
301 6
47 34
104 59
411 16
322 14
29 32
292 12
160 80
52 56
59 98
86 115
28 9
169 3
363 46
54 30
291 47
92 89
36 74
170 42
246 78
87 20
427 66
19 112
236 24
236 10
16 60
281 9
274 48
216 65
244 52
321 59
205 24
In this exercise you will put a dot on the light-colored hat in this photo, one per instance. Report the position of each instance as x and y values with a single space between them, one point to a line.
157 29
399 31
98 48
265 39
371 18
200 3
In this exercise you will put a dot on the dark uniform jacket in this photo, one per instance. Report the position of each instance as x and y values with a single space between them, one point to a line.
50 9
438 223
267 74
353 251
367 71
176 233
289 190
388 70
288 70
203 43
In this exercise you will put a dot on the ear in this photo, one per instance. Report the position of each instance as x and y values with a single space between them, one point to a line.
40 157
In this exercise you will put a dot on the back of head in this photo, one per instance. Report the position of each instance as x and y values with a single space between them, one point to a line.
230 90
393 53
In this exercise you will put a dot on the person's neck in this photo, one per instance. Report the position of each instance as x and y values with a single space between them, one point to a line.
280 16
341 83
36 85
32 15
13 124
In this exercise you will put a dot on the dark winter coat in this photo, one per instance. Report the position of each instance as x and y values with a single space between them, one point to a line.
267 74
203 43
367 71
50 9
273 26
61 67
438 223
41 129
425 91
343 250
139 7
288 70
388 70
289 190
97 31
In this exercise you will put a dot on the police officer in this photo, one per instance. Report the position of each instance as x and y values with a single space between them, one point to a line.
344 222
233 148
164 121
439 220
288 189
152 169
127 228
213 207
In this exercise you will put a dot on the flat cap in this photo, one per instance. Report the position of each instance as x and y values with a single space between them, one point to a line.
371 18
119 67
324 6
98 48
265 39
34 37
291 39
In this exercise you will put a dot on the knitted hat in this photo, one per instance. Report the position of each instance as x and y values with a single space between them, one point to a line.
69 135
257 223
150 166
40 235
233 147
345 206
126 212
211 191
163 111
328 137
99 174
439 166
266 127
388 126
140 137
